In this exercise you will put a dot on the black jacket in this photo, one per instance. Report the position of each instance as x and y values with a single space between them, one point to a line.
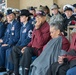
70 21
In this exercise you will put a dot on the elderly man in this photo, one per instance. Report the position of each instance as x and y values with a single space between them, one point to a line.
40 37
10 38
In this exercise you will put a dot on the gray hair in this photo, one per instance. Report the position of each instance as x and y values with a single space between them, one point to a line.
57 25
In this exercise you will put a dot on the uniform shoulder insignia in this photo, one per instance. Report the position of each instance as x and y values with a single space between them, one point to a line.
30 33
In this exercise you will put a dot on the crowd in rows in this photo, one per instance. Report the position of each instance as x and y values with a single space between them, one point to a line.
36 41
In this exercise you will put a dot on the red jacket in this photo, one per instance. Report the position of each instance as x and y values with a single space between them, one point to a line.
72 46
40 37
65 43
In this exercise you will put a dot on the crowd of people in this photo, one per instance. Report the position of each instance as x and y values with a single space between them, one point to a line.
37 41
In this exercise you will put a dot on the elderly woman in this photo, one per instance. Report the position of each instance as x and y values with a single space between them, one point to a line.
67 61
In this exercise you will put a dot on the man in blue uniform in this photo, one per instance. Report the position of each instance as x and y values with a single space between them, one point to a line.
25 36
10 38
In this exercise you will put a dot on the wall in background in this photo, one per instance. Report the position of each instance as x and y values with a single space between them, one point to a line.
36 3
13 3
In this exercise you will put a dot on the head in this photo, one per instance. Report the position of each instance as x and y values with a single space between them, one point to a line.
32 11
24 15
55 9
41 16
10 15
17 12
23 19
68 10
55 29
46 10
68 13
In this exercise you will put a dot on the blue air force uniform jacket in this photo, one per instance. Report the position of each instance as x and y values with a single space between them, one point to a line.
12 34
25 34
2 29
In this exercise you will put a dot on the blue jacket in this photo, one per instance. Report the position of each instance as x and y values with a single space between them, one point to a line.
12 34
25 34
2 29
32 21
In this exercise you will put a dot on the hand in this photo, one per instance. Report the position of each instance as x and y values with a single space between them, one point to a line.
60 59
1 40
4 45
38 24
22 51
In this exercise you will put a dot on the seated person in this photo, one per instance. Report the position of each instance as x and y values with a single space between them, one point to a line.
56 14
58 45
70 18
72 70
10 38
66 61
40 36
33 15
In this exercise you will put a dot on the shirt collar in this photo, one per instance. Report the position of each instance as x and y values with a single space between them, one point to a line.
24 24
11 22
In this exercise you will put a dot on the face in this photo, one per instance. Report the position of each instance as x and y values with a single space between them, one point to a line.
32 12
10 17
53 32
68 13
54 11
23 19
46 11
40 18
